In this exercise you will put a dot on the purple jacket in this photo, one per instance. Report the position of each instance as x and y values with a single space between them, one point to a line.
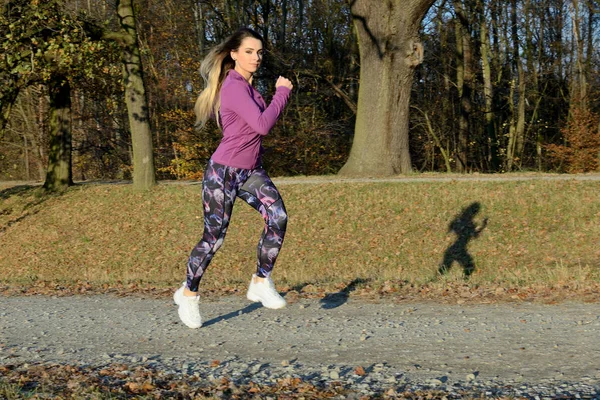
245 119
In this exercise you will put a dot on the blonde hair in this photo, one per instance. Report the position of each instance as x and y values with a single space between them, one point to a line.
213 70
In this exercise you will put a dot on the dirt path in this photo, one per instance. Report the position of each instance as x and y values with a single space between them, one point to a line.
520 342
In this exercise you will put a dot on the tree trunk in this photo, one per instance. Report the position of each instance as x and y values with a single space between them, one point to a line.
516 140
300 23
389 52
284 12
465 74
29 130
580 87
43 156
199 26
6 102
488 91
136 100
265 11
59 174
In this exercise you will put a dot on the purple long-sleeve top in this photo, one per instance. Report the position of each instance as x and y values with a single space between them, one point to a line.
245 119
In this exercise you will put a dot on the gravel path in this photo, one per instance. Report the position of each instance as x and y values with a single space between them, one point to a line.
518 349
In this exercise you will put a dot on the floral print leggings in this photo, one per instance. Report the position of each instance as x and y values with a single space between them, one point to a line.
220 187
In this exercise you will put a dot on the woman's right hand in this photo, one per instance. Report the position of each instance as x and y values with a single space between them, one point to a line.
281 81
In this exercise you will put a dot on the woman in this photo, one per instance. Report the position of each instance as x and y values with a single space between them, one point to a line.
234 169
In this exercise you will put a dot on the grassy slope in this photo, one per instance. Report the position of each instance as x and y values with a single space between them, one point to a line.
388 236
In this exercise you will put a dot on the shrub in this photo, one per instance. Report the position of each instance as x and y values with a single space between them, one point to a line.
581 151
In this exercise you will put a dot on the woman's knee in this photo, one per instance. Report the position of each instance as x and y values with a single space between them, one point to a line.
277 215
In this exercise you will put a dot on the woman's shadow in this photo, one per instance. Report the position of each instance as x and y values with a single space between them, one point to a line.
466 230
334 300
234 314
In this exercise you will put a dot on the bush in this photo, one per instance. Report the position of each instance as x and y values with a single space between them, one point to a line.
581 151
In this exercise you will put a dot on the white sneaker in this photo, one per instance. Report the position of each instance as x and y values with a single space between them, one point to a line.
189 309
265 293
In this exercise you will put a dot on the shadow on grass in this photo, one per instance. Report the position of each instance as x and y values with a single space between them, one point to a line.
334 300
33 195
246 310
19 190
463 225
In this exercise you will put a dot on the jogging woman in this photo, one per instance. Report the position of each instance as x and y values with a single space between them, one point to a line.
235 169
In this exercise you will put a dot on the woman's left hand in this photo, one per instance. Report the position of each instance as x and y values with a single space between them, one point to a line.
281 81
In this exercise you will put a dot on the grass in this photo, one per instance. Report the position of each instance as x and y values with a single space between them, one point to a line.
390 237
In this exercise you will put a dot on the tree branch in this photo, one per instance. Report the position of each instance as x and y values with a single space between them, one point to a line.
336 88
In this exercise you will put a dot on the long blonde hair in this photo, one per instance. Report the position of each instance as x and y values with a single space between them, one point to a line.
213 70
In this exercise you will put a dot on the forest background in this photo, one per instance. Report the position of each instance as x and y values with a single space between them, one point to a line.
503 86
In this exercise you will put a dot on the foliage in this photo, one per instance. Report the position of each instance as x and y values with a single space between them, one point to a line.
539 44
42 40
191 149
312 43
303 145
581 151
292 148
39 39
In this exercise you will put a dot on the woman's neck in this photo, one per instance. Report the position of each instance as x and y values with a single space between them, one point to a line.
247 75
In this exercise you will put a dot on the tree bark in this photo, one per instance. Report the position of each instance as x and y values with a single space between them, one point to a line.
516 140
464 80
299 23
6 103
59 175
136 100
284 12
199 26
389 52
488 91
579 96
30 133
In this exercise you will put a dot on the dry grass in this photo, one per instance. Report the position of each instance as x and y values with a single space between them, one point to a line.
382 236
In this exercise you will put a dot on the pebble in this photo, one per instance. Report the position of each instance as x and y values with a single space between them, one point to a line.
385 381
315 336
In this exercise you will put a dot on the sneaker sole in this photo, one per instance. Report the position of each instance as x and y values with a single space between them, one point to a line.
258 300
255 299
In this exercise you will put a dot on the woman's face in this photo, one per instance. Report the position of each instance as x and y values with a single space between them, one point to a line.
248 56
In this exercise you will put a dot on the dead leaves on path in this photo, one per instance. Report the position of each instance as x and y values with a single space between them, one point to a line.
122 381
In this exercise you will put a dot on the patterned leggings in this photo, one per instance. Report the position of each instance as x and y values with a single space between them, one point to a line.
220 187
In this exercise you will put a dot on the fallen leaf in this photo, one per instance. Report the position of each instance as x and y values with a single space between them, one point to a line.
360 371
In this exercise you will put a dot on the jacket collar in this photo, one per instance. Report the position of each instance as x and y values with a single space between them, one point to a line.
236 75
